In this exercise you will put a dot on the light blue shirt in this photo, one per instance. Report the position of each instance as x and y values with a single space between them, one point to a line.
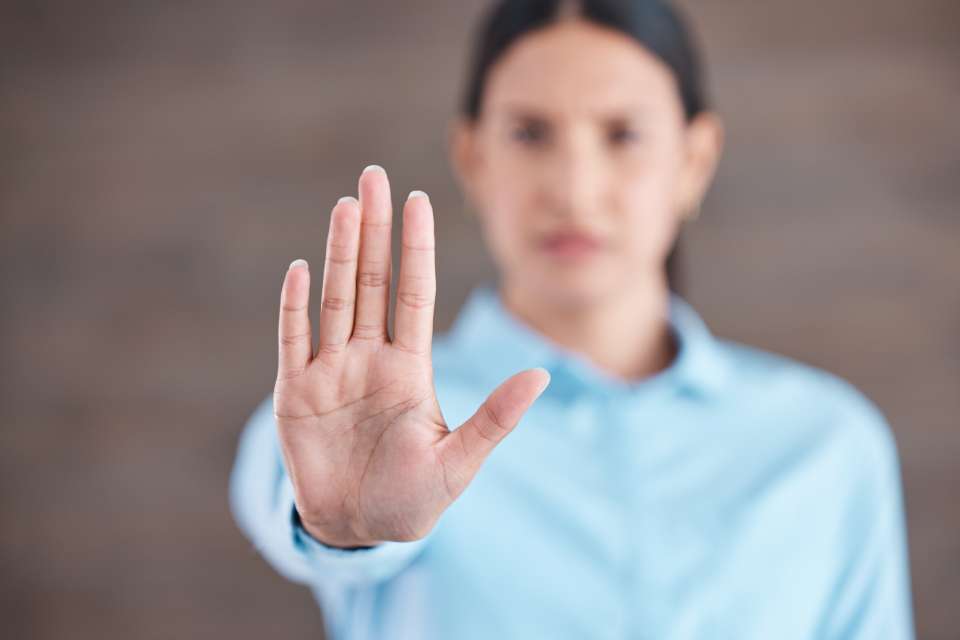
736 494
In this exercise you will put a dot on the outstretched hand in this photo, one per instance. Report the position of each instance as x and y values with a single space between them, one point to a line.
363 438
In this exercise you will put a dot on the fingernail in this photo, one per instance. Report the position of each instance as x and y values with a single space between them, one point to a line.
546 382
347 199
299 262
374 167
417 193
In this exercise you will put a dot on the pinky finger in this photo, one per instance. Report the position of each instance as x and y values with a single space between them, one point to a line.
294 335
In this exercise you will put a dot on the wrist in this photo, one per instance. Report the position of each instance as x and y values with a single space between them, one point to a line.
326 539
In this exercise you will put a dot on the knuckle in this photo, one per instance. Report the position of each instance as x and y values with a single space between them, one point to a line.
331 348
369 331
334 303
289 308
341 248
490 428
370 278
343 256
293 340
415 300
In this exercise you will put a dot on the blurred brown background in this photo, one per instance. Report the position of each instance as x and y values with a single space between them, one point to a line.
163 162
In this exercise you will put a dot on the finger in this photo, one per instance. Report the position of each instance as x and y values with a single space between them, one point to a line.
294 332
373 269
417 284
338 296
464 449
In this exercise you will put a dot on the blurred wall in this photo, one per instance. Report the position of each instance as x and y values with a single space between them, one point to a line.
163 162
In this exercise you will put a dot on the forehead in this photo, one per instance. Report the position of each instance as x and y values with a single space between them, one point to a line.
579 66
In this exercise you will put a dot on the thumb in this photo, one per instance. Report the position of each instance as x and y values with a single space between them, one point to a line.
463 450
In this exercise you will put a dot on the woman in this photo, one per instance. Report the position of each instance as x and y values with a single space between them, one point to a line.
664 484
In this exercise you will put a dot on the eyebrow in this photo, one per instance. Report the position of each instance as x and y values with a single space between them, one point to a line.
521 112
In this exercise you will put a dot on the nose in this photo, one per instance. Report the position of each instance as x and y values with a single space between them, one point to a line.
576 179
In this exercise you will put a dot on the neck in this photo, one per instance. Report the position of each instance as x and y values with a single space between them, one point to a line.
626 335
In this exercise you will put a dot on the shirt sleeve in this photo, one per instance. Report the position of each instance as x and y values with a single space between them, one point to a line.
262 502
873 598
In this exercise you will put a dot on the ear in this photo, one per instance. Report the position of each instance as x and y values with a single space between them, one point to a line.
463 147
704 145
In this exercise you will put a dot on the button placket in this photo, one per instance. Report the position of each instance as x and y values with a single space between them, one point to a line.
616 411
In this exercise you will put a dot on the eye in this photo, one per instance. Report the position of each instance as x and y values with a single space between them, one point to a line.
529 133
624 135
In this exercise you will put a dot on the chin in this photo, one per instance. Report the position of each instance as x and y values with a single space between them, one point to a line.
569 287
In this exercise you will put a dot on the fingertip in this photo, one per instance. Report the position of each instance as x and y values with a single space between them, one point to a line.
545 379
418 213
369 176
373 188
296 279
343 216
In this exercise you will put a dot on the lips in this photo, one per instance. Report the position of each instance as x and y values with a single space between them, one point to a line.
571 243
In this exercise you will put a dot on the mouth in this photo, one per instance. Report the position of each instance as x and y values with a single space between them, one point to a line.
571 244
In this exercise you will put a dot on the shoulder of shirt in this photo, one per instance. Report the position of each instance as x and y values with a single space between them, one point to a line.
853 417
782 382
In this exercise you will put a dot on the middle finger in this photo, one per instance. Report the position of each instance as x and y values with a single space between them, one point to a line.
374 266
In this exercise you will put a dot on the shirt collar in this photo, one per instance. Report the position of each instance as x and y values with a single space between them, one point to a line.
501 344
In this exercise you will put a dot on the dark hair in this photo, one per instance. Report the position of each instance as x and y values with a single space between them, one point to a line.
655 24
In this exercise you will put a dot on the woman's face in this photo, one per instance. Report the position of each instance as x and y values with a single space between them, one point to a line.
582 164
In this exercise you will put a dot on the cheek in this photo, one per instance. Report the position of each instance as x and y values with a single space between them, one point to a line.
507 212
506 231
648 223
650 178
504 235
